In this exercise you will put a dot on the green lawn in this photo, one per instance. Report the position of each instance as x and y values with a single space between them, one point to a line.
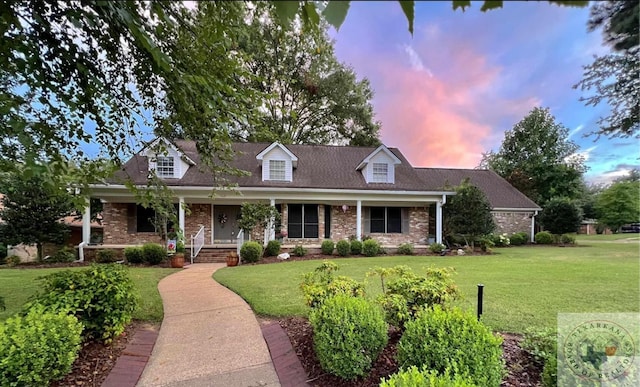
17 285
524 286
608 237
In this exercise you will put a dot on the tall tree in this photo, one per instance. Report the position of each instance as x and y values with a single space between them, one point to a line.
468 213
619 204
309 97
538 158
32 212
614 77
560 216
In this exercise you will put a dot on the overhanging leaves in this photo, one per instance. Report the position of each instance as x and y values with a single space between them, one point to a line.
336 12
408 9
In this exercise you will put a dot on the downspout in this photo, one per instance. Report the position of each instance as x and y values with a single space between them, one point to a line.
533 225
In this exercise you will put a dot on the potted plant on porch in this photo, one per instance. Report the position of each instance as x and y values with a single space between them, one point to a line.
177 259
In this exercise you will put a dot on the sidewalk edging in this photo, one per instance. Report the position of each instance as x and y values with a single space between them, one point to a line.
285 361
133 359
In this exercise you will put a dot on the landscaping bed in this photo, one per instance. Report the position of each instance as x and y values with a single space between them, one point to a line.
522 370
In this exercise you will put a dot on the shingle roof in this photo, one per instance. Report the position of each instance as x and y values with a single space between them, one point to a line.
319 166
499 192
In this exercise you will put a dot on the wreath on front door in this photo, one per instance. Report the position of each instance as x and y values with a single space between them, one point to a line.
222 218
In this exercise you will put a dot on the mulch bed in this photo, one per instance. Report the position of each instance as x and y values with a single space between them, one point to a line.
96 360
522 370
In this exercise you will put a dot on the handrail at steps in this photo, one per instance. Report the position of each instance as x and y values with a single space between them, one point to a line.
196 243
81 251
239 241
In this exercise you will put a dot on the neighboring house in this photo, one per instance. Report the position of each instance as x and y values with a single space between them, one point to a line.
322 192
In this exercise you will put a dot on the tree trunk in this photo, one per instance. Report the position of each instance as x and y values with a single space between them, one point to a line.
40 253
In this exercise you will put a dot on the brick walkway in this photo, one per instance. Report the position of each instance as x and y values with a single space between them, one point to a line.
133 359
286 362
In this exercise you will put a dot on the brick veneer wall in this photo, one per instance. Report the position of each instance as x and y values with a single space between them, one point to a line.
512 222
418 229
343 224
116 232
200 216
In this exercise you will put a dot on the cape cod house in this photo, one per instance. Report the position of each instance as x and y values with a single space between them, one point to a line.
322 192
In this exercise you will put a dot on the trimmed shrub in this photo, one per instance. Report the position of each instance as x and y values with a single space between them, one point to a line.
134 254
38 348
348 335
65 254
486 243
501 240
436 247
444 340
321 284
519 239
343 248
405 249
102 297
327 247
251 251
272 249
544 238
3 252
299 251
356 247
413 377
370 248
105 256
12 260
568 239
153 253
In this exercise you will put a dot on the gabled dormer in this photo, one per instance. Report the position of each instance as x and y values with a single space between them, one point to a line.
379 166
168 161
277 163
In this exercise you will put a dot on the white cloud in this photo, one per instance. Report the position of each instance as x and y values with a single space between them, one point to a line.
414 59
608 177
576 130
585 154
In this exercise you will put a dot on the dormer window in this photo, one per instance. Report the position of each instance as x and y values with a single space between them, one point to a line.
380 172
165 166
277 169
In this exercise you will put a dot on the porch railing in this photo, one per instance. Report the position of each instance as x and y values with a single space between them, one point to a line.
196 243
239 242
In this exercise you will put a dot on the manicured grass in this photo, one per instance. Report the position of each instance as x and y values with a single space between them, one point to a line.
524 286
17 285
607 237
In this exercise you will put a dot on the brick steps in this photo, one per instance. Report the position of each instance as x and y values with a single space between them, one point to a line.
212 255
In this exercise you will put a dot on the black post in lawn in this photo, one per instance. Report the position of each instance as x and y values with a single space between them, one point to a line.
480 294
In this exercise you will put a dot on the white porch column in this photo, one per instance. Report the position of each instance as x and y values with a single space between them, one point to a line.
439 221
272 223
181 214
533 227
359 220
86 222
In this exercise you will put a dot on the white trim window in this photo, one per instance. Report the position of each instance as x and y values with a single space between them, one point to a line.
277 169
165 166
380 172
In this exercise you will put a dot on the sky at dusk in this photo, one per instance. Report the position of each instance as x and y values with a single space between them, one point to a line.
448 94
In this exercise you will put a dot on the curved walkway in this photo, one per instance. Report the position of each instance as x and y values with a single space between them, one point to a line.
209 336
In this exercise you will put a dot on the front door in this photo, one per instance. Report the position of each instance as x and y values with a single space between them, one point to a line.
225 223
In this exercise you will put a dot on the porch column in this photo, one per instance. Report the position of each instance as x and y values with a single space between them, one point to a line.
359 220
86 221
533 226
439 221
181 214
272 223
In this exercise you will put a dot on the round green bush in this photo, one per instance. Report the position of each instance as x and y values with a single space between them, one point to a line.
272 249
38 348
568 239
451 339
299 251
102 297
356 247
413 377
134 254
544 238
348 335
12 260
436 247
106 256
405 249
519 239
327 247
251 251
370 248
65 254
343 247
153 253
